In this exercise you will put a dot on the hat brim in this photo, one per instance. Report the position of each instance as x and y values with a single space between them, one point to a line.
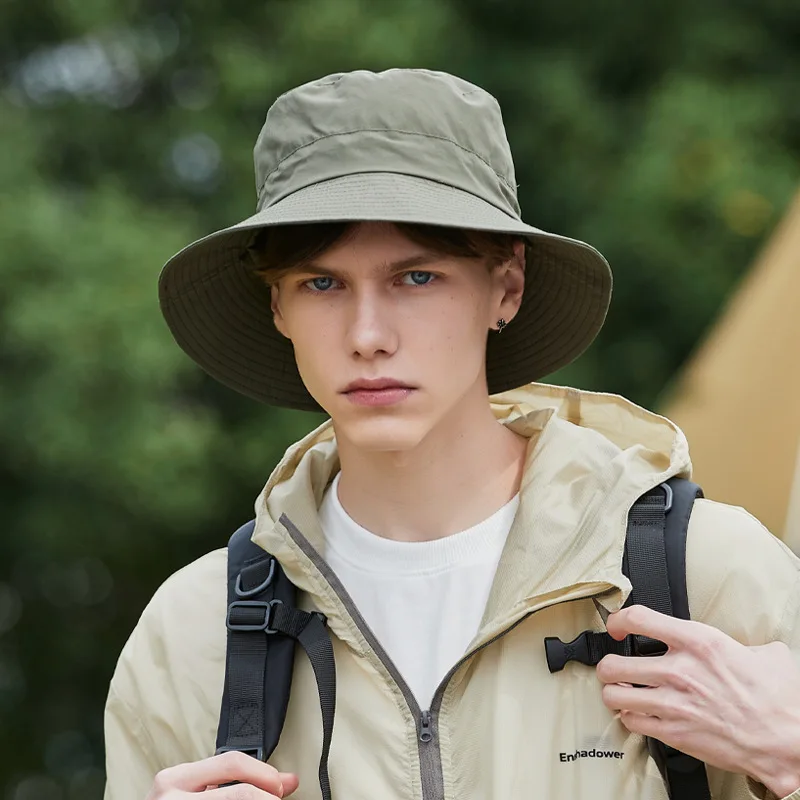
218 310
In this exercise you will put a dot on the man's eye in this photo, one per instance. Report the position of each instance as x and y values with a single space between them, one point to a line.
321 284
417 278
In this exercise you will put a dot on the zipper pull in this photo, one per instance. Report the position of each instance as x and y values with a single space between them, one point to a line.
425 727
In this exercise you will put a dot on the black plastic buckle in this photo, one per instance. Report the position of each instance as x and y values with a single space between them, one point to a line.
266 625
240 592
558 653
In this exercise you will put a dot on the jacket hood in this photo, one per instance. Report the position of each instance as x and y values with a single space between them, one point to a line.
590 456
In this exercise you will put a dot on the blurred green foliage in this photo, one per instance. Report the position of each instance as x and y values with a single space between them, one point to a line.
667 134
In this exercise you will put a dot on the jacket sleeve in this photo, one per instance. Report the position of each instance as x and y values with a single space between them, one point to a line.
130 763
164 699
744 581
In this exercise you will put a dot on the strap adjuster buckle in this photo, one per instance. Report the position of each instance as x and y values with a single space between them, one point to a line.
246 621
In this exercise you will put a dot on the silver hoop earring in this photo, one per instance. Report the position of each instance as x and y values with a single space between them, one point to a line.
501 324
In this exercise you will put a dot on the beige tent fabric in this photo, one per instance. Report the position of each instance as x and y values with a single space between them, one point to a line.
738 401
791 533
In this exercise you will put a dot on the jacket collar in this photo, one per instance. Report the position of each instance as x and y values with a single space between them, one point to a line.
590 456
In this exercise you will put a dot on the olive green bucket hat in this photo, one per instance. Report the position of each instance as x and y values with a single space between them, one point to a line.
399 146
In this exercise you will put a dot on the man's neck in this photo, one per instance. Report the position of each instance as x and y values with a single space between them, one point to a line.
462 473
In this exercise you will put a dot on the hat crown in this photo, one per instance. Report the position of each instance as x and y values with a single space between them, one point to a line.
414 122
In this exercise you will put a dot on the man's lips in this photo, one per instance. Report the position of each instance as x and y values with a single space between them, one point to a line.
377 392
375 385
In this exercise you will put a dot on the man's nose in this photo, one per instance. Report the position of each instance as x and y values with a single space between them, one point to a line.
371 330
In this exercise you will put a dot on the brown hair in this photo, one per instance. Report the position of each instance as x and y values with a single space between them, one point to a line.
278 250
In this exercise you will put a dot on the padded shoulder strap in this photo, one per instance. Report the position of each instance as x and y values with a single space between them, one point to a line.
676 526
263 625
258 668
655 562
655 547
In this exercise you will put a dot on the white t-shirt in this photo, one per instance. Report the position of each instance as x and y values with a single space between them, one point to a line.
423 600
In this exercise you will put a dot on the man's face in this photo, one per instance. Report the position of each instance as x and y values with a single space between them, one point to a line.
390 338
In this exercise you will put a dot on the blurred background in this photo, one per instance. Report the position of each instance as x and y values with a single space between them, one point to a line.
665 133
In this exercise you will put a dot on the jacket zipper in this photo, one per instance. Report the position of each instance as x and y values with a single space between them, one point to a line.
431 763
425 727
430 755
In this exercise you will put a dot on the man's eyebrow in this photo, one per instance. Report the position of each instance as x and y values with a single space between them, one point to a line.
419 260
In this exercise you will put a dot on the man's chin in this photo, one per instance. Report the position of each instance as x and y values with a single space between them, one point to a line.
381 434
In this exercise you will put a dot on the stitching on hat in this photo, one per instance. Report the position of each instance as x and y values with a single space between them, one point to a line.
206 277
383 130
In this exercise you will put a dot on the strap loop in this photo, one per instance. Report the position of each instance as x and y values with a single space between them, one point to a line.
261 587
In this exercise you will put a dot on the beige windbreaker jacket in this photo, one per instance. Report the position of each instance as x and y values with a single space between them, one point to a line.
503 725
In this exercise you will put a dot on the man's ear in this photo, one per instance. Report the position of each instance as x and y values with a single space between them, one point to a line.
519 253
513 276
277 314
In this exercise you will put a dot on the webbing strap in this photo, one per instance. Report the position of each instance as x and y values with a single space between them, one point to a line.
312 635
251 625
601 645
646 555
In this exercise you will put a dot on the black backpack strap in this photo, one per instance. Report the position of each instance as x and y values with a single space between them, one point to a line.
684 493
644 561
645 558
655 563
263 624
684 775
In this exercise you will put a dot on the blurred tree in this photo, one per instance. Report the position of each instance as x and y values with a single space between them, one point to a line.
665 133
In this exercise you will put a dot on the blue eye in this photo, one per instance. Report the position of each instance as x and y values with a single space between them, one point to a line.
322 284
418 278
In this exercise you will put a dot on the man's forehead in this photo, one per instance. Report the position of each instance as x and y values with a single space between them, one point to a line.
340 264
373 247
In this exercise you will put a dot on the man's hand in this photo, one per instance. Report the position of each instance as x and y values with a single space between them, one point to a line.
256 780
732 706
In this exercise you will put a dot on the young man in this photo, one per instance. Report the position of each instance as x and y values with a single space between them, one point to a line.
388 279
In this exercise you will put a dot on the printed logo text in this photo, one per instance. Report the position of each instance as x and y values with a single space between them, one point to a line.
590 754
